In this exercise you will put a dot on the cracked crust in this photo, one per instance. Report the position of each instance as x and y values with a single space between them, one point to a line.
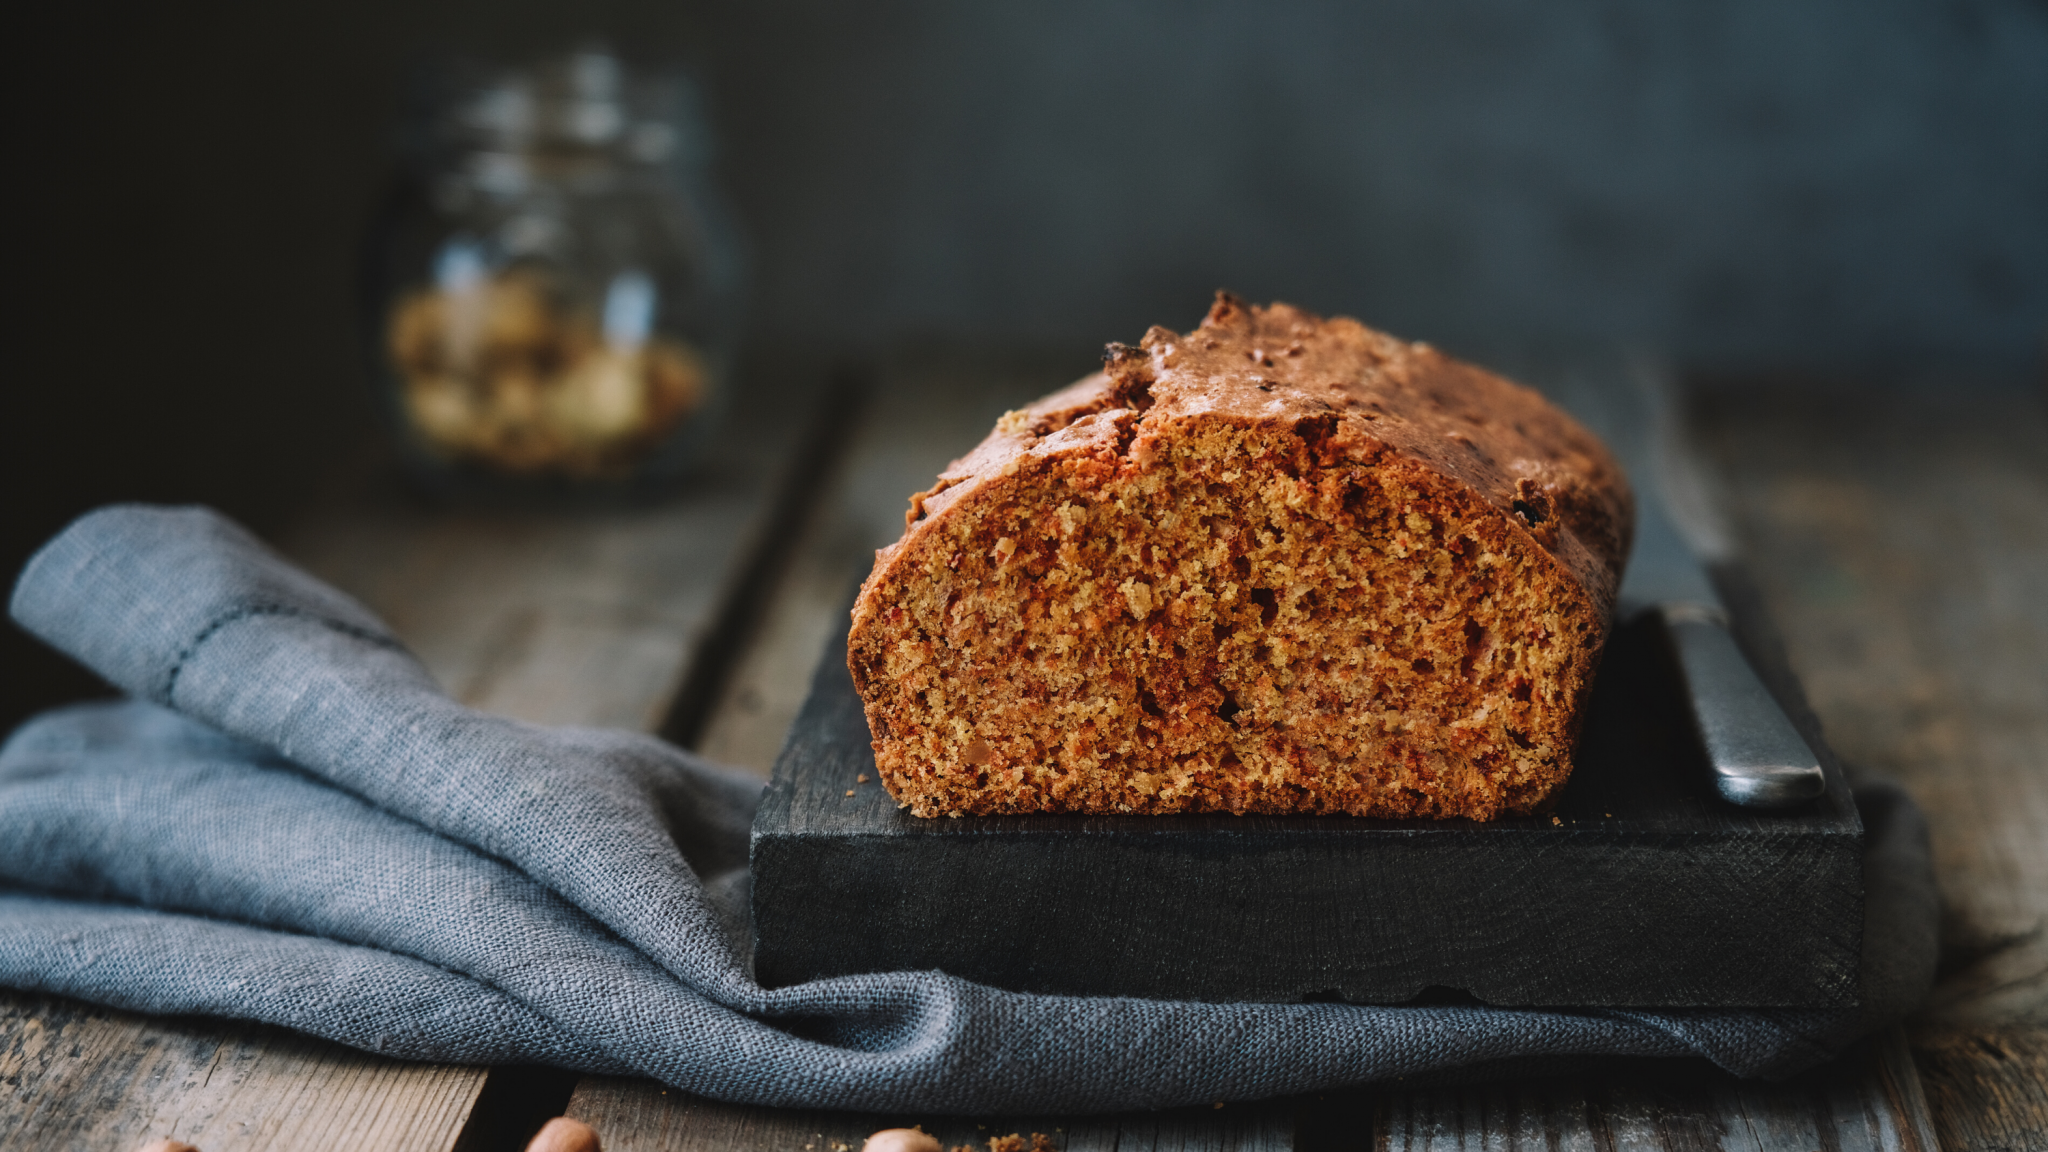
1277 564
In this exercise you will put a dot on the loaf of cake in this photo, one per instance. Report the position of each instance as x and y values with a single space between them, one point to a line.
1277 564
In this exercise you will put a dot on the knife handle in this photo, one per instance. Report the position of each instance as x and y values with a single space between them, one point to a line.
1759 759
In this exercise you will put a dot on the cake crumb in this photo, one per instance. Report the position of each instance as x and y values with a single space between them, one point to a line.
849 791
1193 587
1553 819
1015 1142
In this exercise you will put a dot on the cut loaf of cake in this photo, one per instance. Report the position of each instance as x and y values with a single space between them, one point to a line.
1277 564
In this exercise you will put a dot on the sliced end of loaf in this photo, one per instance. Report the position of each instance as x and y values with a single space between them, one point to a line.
1221 616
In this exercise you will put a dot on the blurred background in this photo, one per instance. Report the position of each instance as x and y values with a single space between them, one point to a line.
1828 190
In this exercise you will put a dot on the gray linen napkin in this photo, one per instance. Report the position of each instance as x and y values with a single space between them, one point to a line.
291 823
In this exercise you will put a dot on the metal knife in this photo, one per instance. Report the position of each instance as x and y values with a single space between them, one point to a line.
1759 759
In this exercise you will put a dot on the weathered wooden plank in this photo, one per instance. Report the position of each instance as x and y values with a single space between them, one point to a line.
1986 1086
571 616
86 1078
1901 538
1617 1105
635 1116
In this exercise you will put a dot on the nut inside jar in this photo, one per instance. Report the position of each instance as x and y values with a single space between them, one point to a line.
501 368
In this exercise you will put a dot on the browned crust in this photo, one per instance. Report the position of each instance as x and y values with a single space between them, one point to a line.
1474 462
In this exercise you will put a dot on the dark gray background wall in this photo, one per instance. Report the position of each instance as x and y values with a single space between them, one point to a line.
1829 183
1835 186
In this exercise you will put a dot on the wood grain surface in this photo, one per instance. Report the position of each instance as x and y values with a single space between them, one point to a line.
634 1118
572 616
1866 1102
1854 1105
576 616
90 1078
1901 537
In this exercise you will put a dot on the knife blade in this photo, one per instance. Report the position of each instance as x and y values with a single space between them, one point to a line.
1758 757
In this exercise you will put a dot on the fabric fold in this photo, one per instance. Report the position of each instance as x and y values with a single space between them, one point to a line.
291 790
148 960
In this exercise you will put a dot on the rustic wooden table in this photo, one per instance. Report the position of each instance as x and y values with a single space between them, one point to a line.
1900 539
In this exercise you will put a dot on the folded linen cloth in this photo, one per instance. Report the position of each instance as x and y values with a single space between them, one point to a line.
289 822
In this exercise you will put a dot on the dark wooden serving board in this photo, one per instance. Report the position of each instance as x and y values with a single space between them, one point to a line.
1644 890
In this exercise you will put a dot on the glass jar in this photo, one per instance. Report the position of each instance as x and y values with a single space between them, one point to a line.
553 286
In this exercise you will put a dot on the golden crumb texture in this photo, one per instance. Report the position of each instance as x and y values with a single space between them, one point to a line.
1278 564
